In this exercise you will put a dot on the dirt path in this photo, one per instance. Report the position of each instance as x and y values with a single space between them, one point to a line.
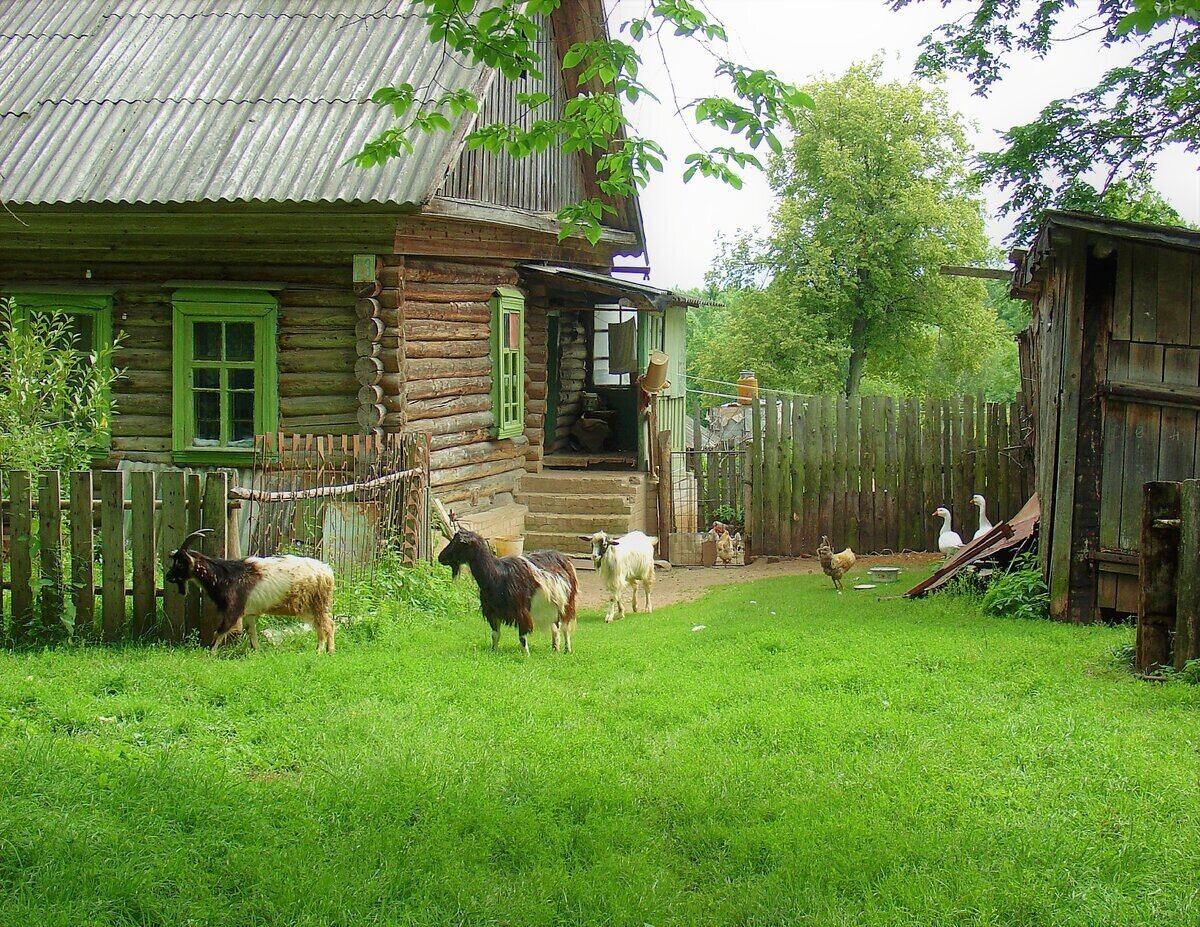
683 584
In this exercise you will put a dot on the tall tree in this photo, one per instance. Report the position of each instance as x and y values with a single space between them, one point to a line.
1112 131
874 197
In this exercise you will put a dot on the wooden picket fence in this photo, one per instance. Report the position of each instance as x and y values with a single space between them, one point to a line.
869 473
118 540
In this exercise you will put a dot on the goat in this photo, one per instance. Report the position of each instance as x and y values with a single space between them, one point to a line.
297 587
515 591
622 562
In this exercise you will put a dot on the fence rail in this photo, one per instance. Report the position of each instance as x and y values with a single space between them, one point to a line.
869 472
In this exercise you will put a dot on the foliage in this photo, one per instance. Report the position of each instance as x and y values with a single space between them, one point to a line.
55 399
805 766
1117 127
1019 593
873 198
505 35
728 515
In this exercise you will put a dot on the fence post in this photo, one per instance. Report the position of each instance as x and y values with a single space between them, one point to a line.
755 512
193 488
83 553
142 542
21 551
172 530
213 517
666 519
1187 592
50 542
1157 574
112 543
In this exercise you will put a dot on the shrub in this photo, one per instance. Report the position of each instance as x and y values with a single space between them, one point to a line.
55 398
1020 593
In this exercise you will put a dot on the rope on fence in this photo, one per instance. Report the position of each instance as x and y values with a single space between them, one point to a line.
295 495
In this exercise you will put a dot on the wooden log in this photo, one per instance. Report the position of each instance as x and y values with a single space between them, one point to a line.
323 298
50 542
415 311
140 425
442 330
142 540
448 405
447 349
368 395
310 341
1187 576
453 424
449 386
112 544
456 475
83 553
369 370
431 271
372 416
460 439
367 308
295 384
365 348
311 361
429 368
370 329
335 404
449 459
424 292
480 487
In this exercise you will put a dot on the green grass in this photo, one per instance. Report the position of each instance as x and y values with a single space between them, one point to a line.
806 758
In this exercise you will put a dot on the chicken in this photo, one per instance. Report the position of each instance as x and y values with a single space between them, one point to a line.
835 565
725 547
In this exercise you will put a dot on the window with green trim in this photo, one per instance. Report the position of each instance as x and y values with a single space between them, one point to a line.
224 373
508 362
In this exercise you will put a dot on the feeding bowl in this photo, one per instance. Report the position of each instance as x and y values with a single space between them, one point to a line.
884 574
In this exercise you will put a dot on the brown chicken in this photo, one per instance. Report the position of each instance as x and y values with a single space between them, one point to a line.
835 565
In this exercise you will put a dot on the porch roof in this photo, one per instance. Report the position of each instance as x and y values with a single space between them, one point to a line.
589 283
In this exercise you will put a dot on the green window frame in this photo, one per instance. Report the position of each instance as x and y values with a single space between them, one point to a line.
97 308
214 371
508 362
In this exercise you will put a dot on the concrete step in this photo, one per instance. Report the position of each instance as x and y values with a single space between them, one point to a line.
550 540
591 504
574 482
574 523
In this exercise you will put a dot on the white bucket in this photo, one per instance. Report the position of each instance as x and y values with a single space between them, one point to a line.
509 546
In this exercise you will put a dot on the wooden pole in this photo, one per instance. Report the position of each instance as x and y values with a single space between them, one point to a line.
83 553
666 519
1187 577
112 540
1157 589
21 552
50 541
142 539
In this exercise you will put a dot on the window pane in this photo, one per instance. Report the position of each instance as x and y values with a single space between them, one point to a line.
239 341
241 379
207 338
206 378
208 417
241 419
512 330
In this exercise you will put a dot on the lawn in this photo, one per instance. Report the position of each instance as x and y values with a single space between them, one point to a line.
804 758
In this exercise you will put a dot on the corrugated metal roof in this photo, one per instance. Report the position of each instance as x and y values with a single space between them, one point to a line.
172 101
605 284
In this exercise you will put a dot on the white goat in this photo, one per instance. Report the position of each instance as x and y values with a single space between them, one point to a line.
622 562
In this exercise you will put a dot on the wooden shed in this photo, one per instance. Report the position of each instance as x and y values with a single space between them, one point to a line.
175 175
1112 361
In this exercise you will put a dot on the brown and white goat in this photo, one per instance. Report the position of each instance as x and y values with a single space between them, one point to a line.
296 587
516 591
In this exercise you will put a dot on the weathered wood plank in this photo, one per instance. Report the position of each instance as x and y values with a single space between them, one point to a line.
50 544
193 484
173 529
21 551
83 554
112 545
214 517
1187 576
784 501
142 542
771 474
1156 603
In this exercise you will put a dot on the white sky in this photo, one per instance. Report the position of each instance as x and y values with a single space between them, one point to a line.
803 39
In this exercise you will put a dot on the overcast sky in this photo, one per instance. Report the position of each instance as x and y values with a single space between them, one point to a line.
803 39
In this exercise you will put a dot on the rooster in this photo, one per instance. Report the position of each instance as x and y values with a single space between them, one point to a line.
835 565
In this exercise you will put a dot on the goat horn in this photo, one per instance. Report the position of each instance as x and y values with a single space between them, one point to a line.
188 540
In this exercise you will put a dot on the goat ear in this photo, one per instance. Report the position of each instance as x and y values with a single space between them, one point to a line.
585 537
654 542
613 542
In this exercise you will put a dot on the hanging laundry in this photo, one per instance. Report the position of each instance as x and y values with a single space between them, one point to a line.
622 347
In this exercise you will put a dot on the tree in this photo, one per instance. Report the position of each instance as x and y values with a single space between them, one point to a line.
874 197
1117 127
55 399
504 35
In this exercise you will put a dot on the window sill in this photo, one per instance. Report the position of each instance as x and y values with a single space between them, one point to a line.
215 457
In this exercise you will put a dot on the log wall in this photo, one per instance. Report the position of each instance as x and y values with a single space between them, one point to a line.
572 366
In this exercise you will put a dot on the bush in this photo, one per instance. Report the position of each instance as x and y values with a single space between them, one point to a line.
1020 593
395 593
55 398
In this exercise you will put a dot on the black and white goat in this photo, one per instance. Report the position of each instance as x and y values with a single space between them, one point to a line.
539 586
297 587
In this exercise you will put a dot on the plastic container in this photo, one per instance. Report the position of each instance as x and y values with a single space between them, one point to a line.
509 546
747 388
884 574
655 379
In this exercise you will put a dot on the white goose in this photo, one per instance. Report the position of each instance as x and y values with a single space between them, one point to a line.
949 541
984 525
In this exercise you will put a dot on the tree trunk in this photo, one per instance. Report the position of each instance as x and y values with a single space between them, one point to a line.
858 357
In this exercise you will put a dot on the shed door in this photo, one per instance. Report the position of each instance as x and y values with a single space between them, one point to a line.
1151 402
